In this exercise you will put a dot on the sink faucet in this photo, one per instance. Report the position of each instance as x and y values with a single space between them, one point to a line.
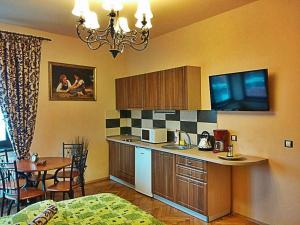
189 144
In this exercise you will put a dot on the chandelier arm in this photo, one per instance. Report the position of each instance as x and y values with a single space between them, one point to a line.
131 41
99 45
136 46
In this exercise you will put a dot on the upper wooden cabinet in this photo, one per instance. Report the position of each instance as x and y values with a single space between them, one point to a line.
129 92
177 88
154 91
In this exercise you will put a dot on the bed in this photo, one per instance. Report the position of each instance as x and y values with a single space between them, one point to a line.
100 209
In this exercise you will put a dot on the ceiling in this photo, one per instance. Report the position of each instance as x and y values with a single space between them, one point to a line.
55 15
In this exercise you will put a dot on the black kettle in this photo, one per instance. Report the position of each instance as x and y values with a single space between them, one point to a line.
206 141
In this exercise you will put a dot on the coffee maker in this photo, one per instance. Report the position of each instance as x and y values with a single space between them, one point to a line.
221 140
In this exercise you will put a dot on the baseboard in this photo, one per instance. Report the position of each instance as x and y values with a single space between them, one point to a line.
97 180
250 219
121 182
182 208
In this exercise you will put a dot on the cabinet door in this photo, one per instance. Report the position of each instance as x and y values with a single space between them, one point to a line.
135 92
154 91
158 173
127 163
197 196
168 170
182 193
175 88
114 159
121 93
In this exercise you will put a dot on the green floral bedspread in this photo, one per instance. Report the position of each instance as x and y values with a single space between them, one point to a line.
100 209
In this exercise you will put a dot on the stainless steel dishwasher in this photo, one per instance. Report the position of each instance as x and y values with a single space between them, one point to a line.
143 171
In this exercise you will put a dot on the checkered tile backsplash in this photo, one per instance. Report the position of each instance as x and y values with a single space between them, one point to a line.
131 121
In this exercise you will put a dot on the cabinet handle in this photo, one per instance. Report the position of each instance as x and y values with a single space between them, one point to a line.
189 162
161 153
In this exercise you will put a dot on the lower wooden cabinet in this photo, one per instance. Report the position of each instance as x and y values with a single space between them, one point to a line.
122 162
163 174
182 187
202 186
198 185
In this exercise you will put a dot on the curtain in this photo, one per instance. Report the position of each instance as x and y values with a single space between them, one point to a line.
20 57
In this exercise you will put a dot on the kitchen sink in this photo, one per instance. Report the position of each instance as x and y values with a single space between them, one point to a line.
129 140
176 147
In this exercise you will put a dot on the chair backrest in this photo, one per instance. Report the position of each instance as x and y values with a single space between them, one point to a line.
4 155
9 179
70 149
78 162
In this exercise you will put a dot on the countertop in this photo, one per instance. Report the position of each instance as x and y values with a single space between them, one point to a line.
208 156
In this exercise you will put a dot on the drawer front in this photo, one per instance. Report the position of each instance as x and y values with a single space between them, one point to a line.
191 173
193 163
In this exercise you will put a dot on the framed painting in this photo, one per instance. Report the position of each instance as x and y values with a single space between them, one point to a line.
71 82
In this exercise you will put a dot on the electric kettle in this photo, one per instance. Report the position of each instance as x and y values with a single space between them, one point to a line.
205 142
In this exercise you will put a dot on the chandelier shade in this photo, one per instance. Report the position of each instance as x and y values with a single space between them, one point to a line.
117 34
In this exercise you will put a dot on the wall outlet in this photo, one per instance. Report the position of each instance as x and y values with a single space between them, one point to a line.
233 138
288 143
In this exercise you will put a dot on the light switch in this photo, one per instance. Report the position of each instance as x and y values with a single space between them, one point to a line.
288 143
233 138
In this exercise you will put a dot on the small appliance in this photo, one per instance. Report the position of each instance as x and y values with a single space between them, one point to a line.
205 142
154 135
221 140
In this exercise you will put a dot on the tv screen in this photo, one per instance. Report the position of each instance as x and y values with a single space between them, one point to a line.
242 91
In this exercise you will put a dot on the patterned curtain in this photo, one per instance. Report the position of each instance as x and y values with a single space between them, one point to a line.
20 57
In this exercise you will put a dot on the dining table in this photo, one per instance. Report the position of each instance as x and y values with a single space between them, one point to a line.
26 166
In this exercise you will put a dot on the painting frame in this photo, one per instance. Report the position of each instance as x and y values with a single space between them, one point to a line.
71 75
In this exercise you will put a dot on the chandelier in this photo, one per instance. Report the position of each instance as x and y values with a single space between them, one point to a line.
117 34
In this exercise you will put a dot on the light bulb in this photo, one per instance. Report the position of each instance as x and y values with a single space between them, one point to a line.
81 7
115 5
123 23
91 20
143 9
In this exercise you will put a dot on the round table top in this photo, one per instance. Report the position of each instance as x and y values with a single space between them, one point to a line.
52 163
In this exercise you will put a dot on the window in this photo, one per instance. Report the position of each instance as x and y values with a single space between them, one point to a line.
4 140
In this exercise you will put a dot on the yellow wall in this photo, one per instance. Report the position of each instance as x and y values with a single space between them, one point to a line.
59 121
263 34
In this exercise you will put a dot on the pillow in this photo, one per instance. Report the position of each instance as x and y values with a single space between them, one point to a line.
45 216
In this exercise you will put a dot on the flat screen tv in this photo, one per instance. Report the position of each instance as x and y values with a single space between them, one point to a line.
241 91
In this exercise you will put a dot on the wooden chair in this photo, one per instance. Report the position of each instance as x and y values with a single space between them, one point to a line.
14 189
68 184
68 151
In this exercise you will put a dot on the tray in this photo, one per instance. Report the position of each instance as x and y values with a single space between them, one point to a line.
236 156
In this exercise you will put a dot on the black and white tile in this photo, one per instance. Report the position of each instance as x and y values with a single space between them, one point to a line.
194 122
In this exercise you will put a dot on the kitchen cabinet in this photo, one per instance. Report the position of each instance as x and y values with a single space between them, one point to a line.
122 161
122 93
202 186
176 88
135 92
129 92
163 174
191 184
154 91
